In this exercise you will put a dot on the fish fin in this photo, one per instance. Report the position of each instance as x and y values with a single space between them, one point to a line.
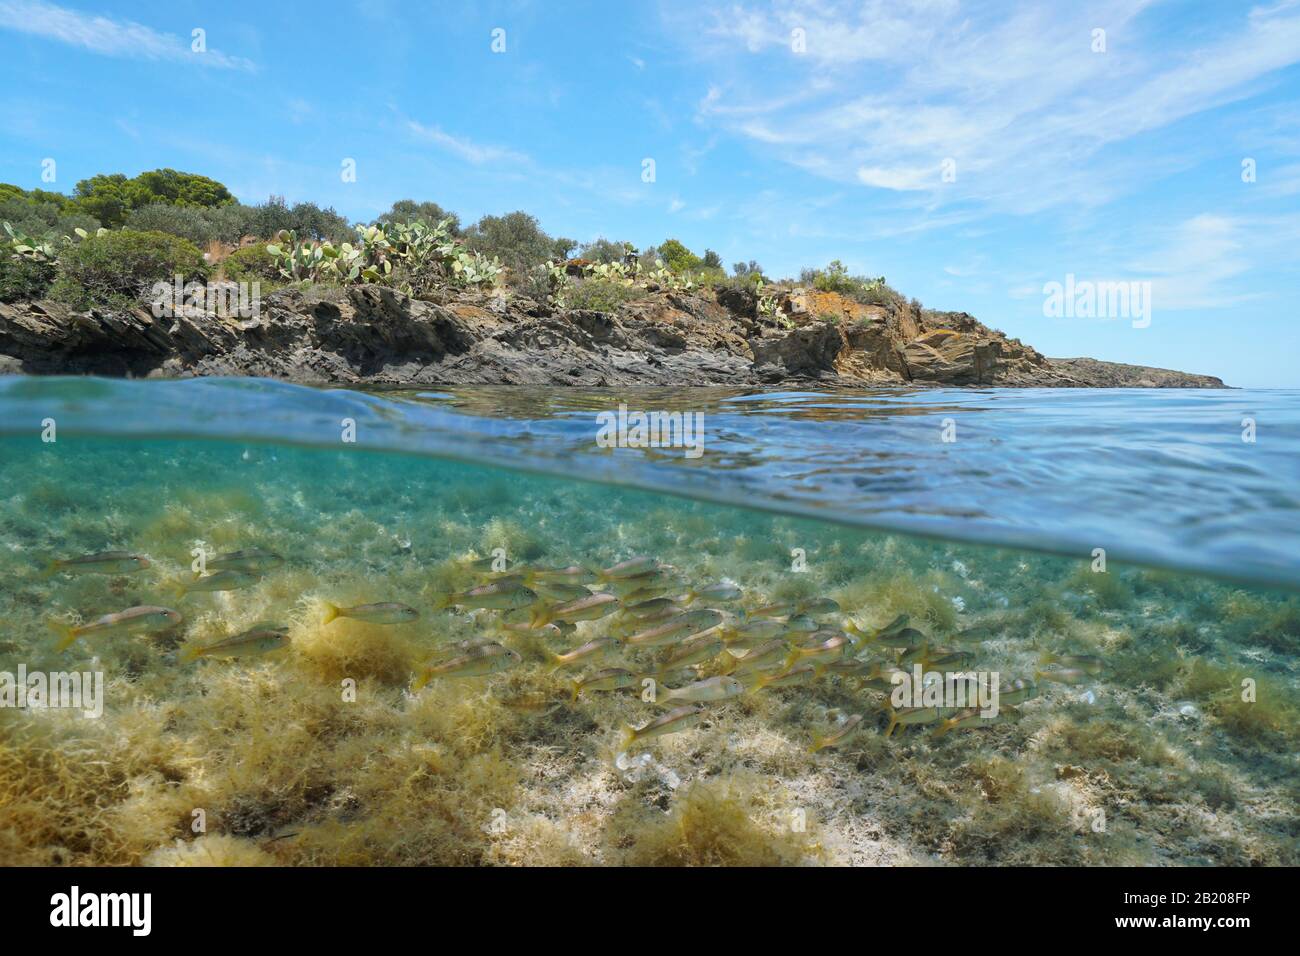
68 634
331 612
626 738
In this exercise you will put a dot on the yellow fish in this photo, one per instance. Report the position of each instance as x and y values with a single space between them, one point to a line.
593 650
503 595
695 651
388 612
145 619
675 721
677 628
701 691
252 560
631 568
257 640
1087 663
838 737
477 662
611 678
590 608
104 562
911 715
799 676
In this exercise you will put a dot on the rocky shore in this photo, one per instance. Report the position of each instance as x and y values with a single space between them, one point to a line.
373 335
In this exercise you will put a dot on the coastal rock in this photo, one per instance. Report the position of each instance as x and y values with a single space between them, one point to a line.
369 334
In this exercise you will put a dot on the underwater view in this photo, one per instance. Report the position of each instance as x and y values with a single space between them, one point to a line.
250 623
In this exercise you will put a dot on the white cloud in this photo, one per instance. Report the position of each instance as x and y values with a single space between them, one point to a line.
1031 117
466 149
99 34
1196 265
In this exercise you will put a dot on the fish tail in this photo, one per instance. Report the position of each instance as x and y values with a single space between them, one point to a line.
577 687
421 679
817 744
627 738
67 635
792 658
943 728
50 569
178 587
331 612
444 602
893 722
1047 657
539 618
190 652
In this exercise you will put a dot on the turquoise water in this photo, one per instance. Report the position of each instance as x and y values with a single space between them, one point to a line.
326 752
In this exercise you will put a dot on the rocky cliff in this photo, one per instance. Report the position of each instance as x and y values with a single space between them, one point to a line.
371 334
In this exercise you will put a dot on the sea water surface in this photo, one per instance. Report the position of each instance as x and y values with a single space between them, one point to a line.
1205 480
1153 536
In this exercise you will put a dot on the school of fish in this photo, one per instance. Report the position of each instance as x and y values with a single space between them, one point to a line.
680 647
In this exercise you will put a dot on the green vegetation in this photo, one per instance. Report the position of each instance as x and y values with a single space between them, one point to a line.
251 264
517 240
835 278
415 257
600 294
415 246
109 198
23 278
408 210
119 268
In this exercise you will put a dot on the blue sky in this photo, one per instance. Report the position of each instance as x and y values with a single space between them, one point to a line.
791 133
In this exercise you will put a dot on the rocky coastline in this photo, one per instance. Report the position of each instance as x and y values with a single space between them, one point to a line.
367 335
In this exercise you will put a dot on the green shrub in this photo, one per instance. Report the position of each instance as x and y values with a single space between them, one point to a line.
252 263
606 250
110 198
188 222
118 269
21 278
198 224
43 217
305 219
678 258
517 240
408 210
599 295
